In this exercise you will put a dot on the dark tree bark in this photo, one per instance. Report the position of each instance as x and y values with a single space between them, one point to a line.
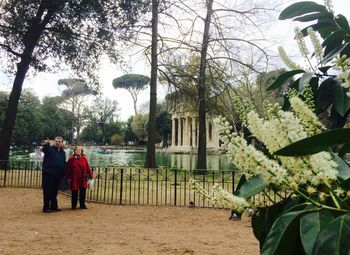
31 39
202 141
151 143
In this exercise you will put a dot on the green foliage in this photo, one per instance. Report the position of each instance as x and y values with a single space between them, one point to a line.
36 120
163 124
55 120
28 125
128 133
320 228
138 126
336 34
310 225
333 239
302 8
76 32
283 78
252 187
131 81
317 143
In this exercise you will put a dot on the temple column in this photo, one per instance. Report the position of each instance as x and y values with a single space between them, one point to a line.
186 133
196 131
193 134
173 132
180 140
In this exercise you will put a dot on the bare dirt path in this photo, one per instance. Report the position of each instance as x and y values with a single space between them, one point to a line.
109 229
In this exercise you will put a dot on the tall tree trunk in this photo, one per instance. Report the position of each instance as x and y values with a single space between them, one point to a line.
31 39
103 129
202 141
134 99
151 143
11 111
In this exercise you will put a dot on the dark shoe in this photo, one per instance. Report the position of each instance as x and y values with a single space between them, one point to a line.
74 207
56 210
47 211
83 207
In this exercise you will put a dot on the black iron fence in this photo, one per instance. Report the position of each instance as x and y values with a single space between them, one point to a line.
129 185
133 186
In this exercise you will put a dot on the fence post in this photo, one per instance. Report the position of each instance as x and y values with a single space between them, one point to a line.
121 186
148 186
175 185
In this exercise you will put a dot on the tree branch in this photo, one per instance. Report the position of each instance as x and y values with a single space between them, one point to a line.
8 48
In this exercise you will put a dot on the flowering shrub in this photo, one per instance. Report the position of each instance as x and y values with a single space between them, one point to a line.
315 217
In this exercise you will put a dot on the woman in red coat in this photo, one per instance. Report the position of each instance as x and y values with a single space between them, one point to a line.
78 172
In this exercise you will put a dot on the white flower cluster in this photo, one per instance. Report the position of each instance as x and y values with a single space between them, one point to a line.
246 158
242 106
316 43
308 118
221 197
299 37
287 61
343 64
287 129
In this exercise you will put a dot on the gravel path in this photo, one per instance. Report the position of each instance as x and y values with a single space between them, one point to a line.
110 229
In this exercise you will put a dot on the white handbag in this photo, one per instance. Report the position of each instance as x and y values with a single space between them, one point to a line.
90 183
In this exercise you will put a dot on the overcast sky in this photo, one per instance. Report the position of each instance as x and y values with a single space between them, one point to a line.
45 84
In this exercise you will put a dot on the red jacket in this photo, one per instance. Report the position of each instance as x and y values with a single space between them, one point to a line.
78 172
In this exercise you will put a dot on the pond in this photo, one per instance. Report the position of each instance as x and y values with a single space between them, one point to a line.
132 157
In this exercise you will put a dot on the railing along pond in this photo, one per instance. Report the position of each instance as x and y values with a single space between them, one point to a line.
132 185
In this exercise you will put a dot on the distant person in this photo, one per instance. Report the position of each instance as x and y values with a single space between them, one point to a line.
78 172
54 165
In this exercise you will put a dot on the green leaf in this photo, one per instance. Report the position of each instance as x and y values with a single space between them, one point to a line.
263 219
334 238
345 149
304 80
325 27
341 100
316 143
343 168
342 23
301 8
326 93
284 234
310 225
314 16
252 187
330 55
324 69
242 180
282 78
345 184
334 40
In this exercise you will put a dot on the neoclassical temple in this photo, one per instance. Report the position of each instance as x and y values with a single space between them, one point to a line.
185 127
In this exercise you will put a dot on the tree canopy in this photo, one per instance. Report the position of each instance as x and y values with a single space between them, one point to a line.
77 32
133 83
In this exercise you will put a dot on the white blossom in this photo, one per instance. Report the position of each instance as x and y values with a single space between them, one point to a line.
307 117
221 197
316 43
287 61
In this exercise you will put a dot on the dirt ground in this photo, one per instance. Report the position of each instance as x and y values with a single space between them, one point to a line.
110 229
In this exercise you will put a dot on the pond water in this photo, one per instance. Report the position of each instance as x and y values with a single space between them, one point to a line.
128 157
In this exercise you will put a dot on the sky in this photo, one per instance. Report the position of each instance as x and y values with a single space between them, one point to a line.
45 84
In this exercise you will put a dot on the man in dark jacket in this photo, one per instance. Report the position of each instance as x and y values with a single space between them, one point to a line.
54 165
